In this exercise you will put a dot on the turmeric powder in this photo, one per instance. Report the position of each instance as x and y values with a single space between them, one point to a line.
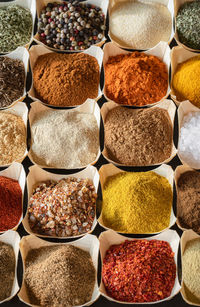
137 202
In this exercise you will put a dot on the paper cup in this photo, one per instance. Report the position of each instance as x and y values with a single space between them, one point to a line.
110 237
166 105
90 106
164 170
162 51
88 243
169 4
36 51
103 4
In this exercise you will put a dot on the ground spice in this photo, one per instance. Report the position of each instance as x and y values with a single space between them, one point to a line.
137 202
139 271
138 137
66 79
135 79
59 276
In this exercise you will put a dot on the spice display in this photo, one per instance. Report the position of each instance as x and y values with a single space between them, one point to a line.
137 202
188 24
63 208
135 79
15 27
66 79
140 25
138 137
139 271
71 25
64 139
61 275
12 138
12 78
10 203
185 81
7 268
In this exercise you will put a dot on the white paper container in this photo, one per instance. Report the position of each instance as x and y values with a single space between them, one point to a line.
110 237
168 3
36 51
27 4
88 243
164 170
12 238
166 105
90 106
103 4
19 109
162 51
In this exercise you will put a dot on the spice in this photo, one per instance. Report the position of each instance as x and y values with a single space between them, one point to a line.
71 25
139 271
188 24
15 27
63 208
138 137
7 268
66 79
140 25
137 202
12 78
185 81
61 275
64 139
135 79
12 138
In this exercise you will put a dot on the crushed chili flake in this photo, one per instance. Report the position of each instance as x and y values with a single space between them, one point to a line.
139 271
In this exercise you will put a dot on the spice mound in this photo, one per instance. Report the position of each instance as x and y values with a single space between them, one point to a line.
15 27
71 25
66 79
185 81
61 275
140 25
135 79
63 208
139 271
12 138
7 268
137 202
138 137
64 139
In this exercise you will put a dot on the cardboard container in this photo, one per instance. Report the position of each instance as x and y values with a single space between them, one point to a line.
88 243
166 105
90 106
164 170
103 4
110 237
162 51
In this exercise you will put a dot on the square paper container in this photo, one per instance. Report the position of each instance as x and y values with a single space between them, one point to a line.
178 55
103 4
88 243
166 104
15 171
162 51
19 109
168 3
164 170
37 175
12 238
185 108
110 237
27 4
36 51
90 106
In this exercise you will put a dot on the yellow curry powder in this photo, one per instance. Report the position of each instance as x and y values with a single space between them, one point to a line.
137 202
